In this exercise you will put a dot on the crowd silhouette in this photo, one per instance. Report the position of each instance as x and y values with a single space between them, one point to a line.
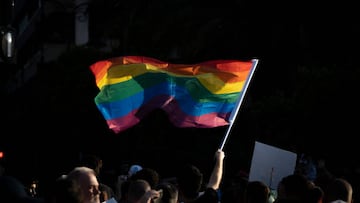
88 182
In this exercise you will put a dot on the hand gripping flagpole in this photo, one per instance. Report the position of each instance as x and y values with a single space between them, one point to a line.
238 103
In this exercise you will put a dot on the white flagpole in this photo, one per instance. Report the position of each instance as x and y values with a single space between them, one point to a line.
238 103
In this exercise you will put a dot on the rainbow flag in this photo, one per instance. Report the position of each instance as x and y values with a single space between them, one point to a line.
201 95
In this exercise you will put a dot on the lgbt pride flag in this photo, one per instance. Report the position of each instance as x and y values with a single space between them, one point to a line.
201 95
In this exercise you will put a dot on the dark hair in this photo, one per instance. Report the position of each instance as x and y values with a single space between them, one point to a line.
189 179
148 174
257 191
169 192
315 194
295 186
66 190
338 189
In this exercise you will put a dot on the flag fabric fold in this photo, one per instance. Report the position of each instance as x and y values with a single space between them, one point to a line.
201 95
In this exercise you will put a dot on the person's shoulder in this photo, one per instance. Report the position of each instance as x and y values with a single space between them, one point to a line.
209 195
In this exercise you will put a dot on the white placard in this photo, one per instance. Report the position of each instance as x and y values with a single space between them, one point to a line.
270 164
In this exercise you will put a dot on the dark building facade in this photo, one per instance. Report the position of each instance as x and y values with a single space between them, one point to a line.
23 18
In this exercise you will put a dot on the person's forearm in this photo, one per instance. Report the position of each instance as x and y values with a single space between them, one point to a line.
216 175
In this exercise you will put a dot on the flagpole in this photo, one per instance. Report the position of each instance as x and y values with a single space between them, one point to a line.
238 103
226 136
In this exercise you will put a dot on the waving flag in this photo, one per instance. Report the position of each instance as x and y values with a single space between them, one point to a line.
201 95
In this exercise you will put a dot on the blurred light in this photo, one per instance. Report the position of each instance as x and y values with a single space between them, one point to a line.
8 43
1 155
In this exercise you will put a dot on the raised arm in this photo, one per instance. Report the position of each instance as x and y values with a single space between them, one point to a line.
217 173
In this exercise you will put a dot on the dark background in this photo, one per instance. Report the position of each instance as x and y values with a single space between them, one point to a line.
303 96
